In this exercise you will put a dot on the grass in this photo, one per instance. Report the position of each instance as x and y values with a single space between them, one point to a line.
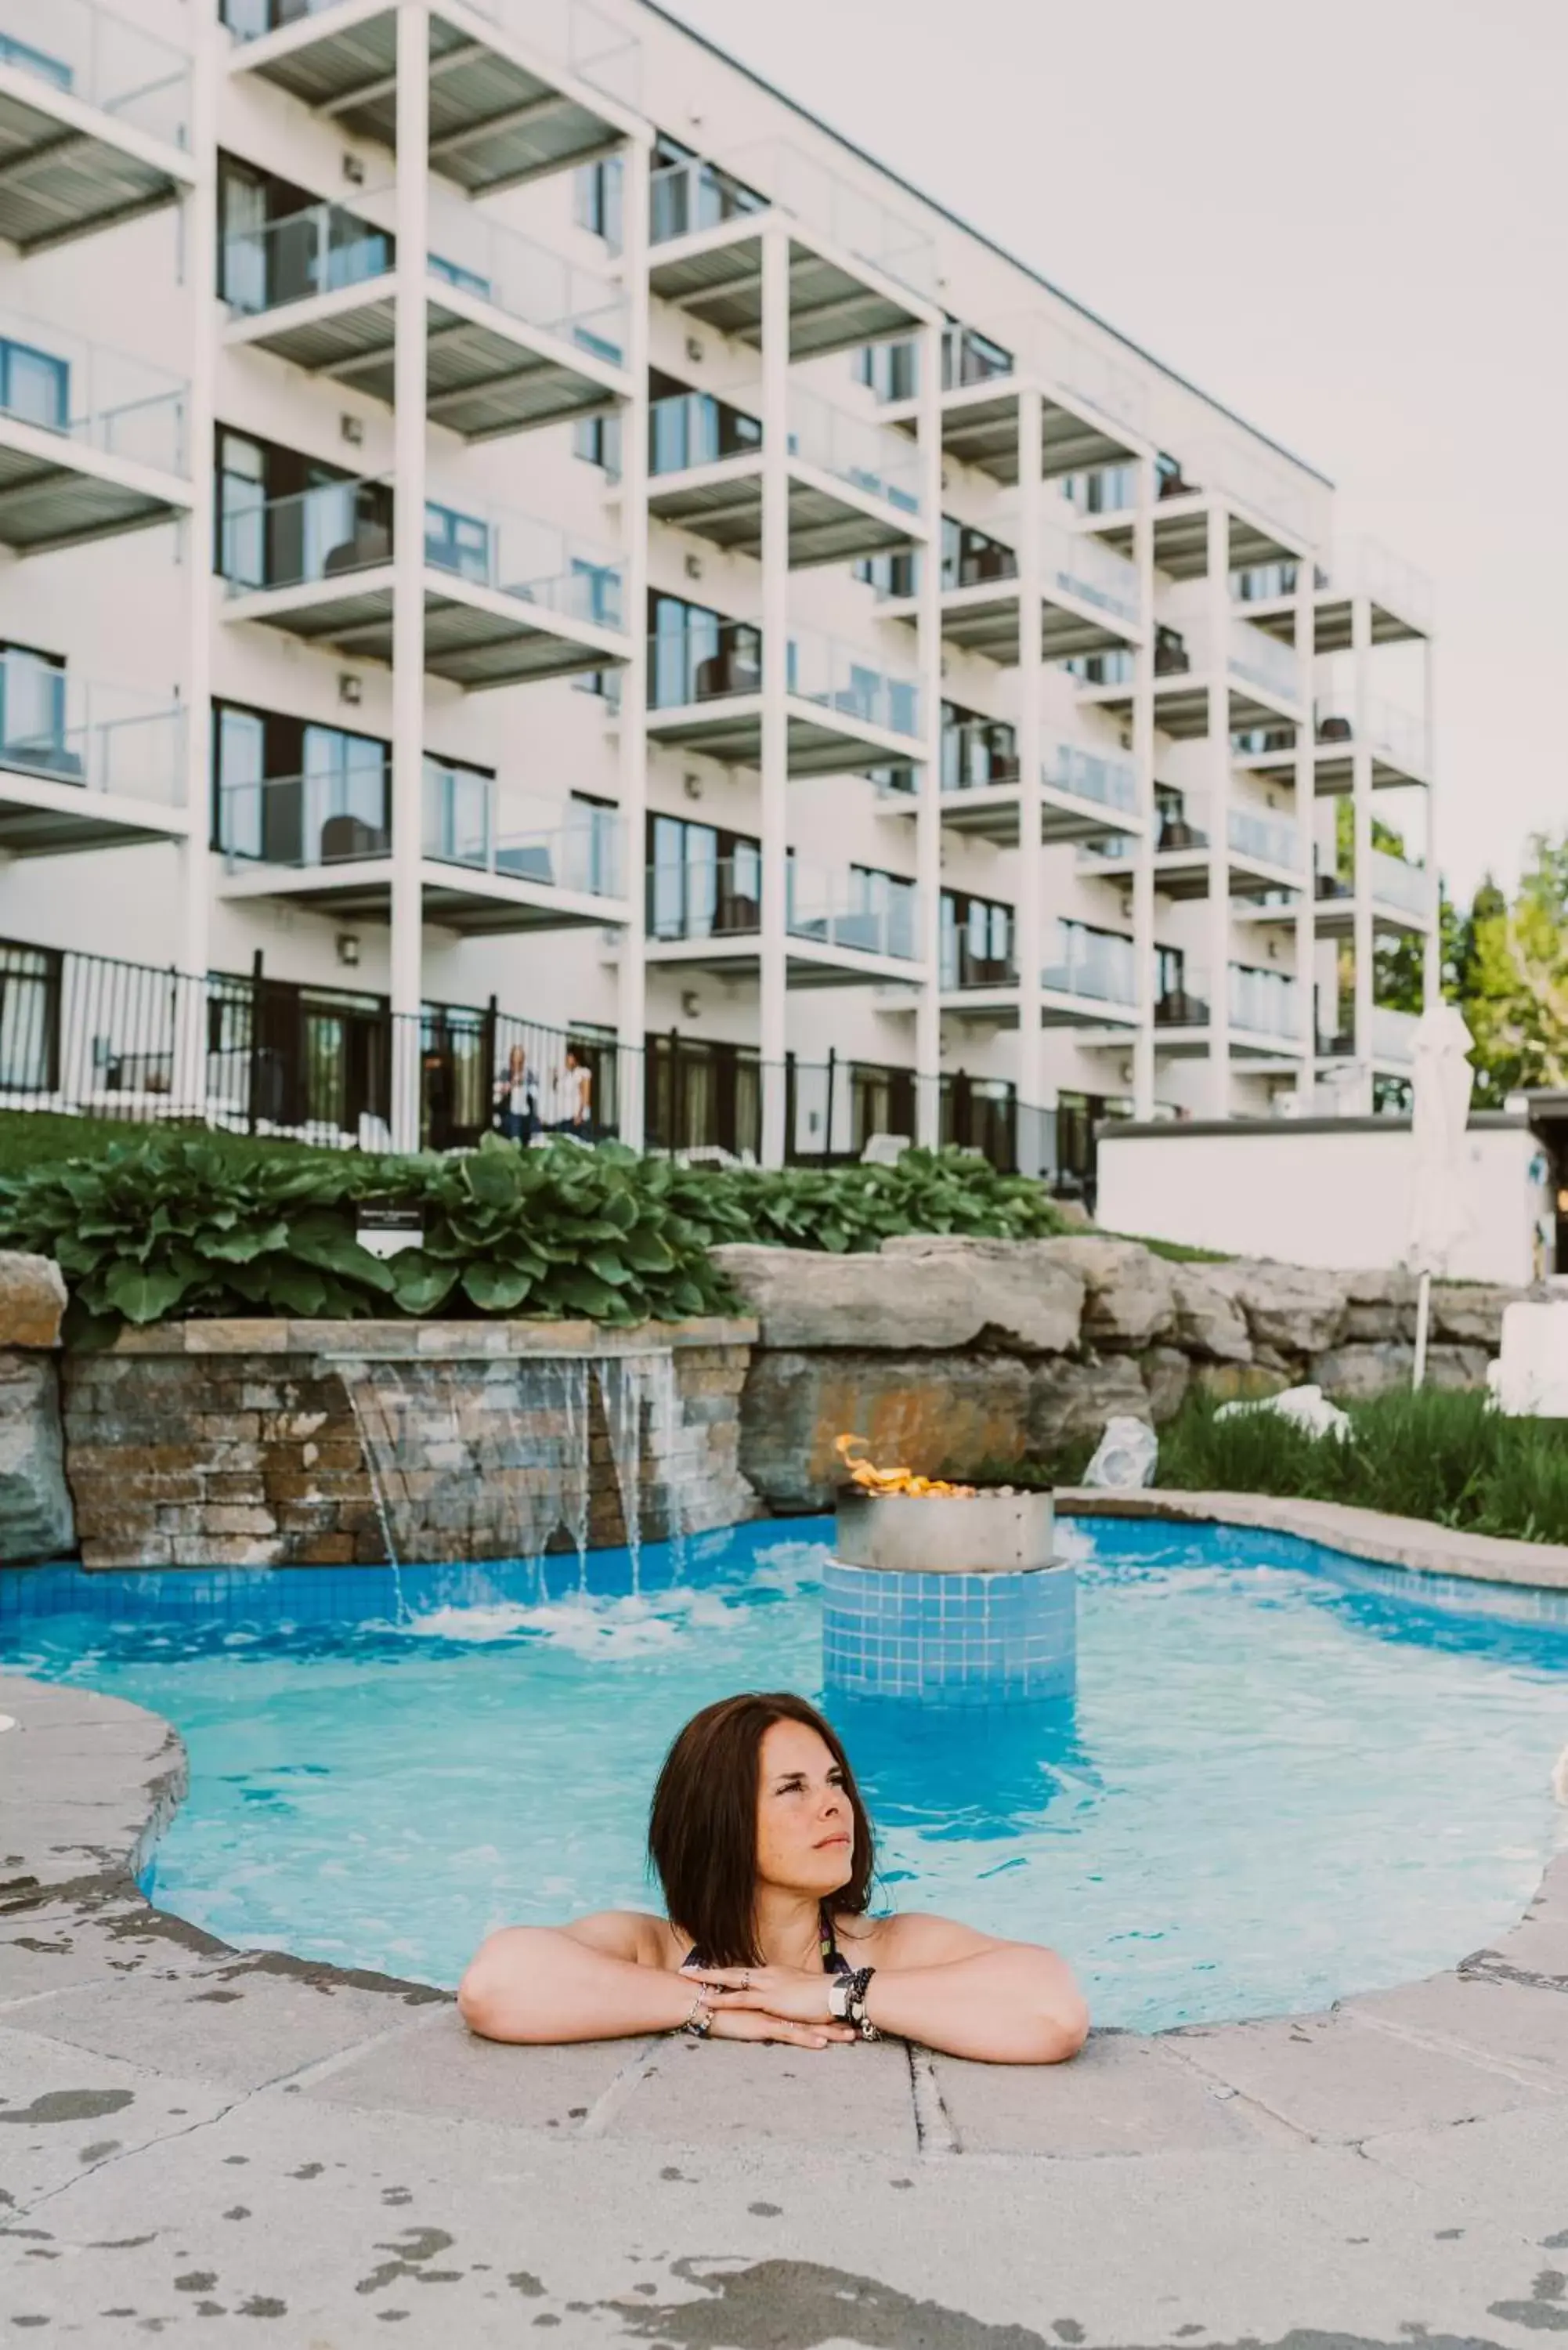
43 1138
1432 1454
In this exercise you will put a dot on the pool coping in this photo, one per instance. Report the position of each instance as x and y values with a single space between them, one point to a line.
1374 1535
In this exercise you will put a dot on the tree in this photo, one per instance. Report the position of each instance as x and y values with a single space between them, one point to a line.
1509 977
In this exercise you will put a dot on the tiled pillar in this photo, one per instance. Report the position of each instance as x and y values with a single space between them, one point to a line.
936 1639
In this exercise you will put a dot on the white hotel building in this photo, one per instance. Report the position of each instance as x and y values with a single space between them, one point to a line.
839 682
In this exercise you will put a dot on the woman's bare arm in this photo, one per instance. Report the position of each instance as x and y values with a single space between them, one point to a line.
601 1979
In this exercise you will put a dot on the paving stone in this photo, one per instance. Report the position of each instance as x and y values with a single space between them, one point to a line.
731 2093
245 2021
1337 2079
1521 2023
1125 2095
61 2110
437 2066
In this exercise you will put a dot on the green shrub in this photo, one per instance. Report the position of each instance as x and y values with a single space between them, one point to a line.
1428 1455
845 1209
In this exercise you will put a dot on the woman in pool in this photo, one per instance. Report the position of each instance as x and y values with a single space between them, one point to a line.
764 1853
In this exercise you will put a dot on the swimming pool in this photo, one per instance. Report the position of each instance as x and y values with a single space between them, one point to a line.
1283 1778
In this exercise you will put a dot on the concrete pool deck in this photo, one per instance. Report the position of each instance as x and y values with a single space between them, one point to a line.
206 2143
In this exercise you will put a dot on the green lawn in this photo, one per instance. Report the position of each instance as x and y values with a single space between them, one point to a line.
39 1138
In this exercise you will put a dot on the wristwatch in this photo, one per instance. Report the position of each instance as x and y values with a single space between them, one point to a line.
846 2001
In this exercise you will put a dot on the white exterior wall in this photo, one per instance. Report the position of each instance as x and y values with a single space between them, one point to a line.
1332 1197
118 610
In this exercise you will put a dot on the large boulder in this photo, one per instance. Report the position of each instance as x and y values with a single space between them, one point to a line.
35 1517
933 1418
1470 1312
1068 1401
1361 1369
1168 1375
1130 1300
1021 1292
32 1299
1291 1310
1209 1322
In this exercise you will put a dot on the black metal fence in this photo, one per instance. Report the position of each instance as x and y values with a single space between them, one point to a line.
253 1054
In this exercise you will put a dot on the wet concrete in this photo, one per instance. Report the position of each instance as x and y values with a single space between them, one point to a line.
207 2144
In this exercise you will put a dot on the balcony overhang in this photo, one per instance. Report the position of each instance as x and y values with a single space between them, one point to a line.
42 815
1182 537
821 741
836 301
1181 705
808 962
471 901
488 372
499 115
1058 1009
990 812
1335 918
1333 768
1333 620
55 492
985 620
981 427
830 520
474 637
68 169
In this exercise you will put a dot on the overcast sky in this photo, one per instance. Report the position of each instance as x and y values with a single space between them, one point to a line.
1348 221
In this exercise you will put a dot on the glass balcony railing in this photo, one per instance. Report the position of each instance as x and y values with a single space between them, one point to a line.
1090 775
1263 1002
1393 1034
1264 661
466 823
1184 821
90 54
1095 965
342 527
871 913
978 755
335 818
102 400
318 250
1399 884
574 33
979 953
688 197
1390 733
701 194
529 281
56 728
1271 839
702 658
869 456
1108 489
843 680
693 428
1185 999
969 357
1078 565
706 896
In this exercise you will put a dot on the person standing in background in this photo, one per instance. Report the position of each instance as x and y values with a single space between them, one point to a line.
517 1099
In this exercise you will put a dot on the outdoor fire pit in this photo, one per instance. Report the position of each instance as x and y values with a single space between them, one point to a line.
948 1594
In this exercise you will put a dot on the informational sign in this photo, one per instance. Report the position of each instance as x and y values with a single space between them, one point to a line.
387 1231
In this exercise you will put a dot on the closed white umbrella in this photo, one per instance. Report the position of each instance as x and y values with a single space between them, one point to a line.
1442 1079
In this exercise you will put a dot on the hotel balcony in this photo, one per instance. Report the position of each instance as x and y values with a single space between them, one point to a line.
1262 850
1090 981
1396 738
516 90
1398 597
1089 597
94 121
857 271
840 927
1260 676
854 486
85 767
507 600
1268 519
1392 1041
1083 794
324 843
1264 1009
1400 892
92 442
845 716
1092 408
516 335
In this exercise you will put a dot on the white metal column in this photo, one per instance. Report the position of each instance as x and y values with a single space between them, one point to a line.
929 777
1217 633
408 565
1306 827
1361 818
631 1015
773 975
1143 765
1031 945
200 260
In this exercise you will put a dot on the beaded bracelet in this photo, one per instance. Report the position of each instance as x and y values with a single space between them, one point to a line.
699 2022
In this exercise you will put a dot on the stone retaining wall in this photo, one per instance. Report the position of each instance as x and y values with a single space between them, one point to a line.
946 1353
252 1442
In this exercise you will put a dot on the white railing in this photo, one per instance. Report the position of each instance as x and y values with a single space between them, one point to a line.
89 53
691 428
303 822
1393 1034
869 456
1264 1003
1271 839
1080 564
102 398
58 729
464 824
700 898
869 913
1107 489
1253 478
841 678
1064 356
1396 882
529 281
977 756
1394 734
1264 661
1093 964
777 175
320 249
1368 567
1089 775
573 32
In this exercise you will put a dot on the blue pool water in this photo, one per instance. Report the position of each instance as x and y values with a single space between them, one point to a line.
1283 1778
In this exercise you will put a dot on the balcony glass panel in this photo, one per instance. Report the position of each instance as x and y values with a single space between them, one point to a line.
1264 661
873 913
92 53
693 428
1183 820
1273 839
842 679
977 754
1089 775
334 815
685 198
101 398
529 282
466 823
1093 964
844 213
703 895
1393 1034
57 729
697 657
969 357
977 951
1185 999
573 32
1396 882
971 557
1078 565
318 250
870 457
1264 1003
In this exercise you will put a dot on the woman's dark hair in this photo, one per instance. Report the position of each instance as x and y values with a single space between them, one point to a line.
702 1828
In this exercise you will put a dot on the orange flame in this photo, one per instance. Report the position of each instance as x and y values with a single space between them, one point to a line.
851 1450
